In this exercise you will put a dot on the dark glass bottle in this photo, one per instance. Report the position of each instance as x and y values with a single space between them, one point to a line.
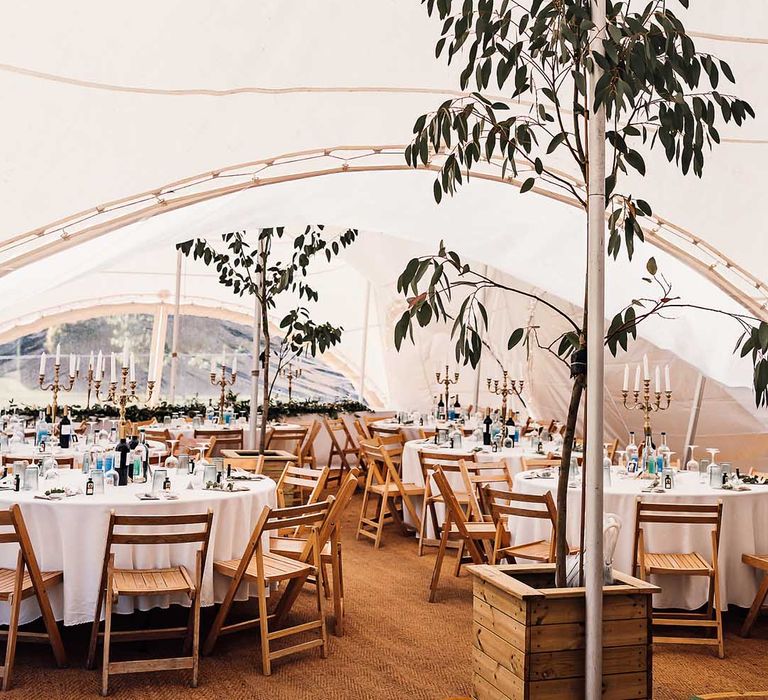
122 450
133 442
441 409
65 431
487 427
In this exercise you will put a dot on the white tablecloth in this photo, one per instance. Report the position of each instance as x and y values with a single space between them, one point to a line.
744 529
411 469
70 535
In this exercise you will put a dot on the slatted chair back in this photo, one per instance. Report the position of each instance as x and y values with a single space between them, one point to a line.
158 529
447 461
455 515
505 504
384 431
162 436
392 444
219 443
425 433
362 432
293 439
540 463
759 475
369 421
475 476
307 483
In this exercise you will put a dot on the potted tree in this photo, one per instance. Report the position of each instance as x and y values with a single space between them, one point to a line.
658 91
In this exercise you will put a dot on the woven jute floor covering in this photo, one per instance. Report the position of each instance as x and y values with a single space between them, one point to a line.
396 645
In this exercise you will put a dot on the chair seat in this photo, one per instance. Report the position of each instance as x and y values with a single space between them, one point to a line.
391 489
537 551
690 563
135 582
292 547
276 568
7 577
759 561
461 496
477 529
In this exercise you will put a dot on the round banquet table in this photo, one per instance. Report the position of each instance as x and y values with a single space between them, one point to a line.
30 453
411 468
409 431
744 528
70 535
186 433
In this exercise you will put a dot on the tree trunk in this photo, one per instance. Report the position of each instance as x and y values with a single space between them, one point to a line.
265 368
561 548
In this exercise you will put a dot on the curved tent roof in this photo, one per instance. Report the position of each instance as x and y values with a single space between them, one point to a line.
267 114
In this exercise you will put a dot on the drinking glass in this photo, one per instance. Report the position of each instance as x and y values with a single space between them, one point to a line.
50 469
692 465
703 470
171 461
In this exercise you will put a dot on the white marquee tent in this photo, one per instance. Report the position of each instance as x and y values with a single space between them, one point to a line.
212 118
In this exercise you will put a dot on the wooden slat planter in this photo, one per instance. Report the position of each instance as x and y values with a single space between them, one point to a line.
529 636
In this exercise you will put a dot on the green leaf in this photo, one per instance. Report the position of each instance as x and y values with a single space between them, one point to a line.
651 266
527 185
515 338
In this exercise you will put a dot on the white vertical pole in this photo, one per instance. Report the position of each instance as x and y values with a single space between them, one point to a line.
255 371
175 340
693 421
364 348
478 371
595 375
157 349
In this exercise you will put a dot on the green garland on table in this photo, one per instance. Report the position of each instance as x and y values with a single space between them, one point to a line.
277 409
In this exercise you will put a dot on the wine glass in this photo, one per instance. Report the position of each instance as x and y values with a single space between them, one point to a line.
692 465
713 451
620 460
50 468
171 461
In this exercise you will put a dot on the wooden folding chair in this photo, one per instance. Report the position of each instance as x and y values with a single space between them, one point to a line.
150 530
425 433
306 453
384 482
429 462
457 527
393 445
294 438
264 568
646 564
307 485
612 450
505 504
329 542
23 582
161 436
758 561
362 432
342 445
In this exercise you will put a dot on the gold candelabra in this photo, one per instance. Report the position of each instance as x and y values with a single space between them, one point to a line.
647 405
290 374
121 393
506 388
222 381
446 381
56 385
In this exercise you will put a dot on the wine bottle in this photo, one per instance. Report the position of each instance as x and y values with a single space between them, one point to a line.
65 431
122 468
441 409
487 427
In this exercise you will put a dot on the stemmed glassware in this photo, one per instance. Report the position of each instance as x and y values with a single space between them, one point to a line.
692 465
171 461
713 451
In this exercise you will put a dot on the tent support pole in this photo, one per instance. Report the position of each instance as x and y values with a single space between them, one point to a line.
175 341
595 376
364 347
693 421
156 350
255 369
478 373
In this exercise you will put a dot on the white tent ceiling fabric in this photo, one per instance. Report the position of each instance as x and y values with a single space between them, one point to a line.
110 101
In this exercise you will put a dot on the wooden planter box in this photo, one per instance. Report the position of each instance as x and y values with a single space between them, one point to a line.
529 637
